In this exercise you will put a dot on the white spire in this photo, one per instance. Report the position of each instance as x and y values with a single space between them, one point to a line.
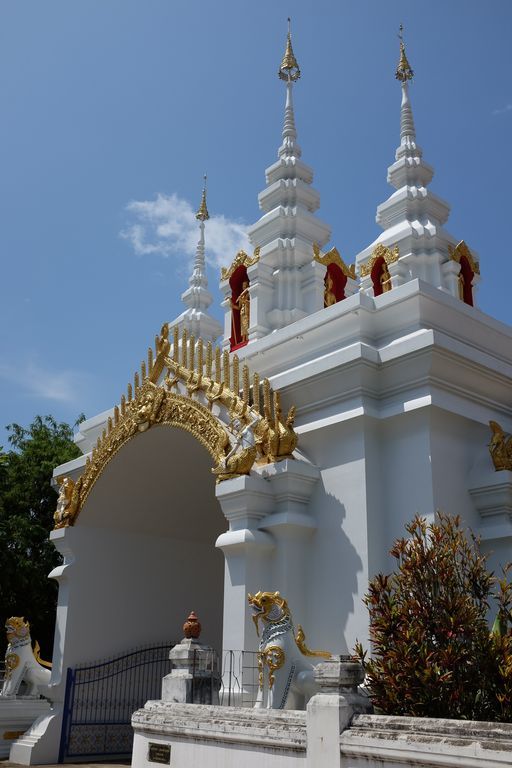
407 130
289 147
404 73
289 72
197 298
283 286
412 217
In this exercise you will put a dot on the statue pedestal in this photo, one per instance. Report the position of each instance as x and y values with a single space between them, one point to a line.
17 714
195 677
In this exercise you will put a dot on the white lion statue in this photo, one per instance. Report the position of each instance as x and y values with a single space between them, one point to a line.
22 664
286 677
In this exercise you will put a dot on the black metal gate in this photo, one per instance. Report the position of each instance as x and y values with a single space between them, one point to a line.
101 698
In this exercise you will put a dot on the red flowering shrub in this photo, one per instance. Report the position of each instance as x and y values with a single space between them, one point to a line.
433 654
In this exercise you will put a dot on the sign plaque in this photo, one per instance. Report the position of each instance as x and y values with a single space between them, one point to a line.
159 753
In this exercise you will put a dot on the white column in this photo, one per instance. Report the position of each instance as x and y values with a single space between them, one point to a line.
245 501
292 527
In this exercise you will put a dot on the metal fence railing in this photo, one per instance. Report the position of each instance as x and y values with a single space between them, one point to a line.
239 682
101 697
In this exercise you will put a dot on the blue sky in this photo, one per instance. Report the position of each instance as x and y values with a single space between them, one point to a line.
111 110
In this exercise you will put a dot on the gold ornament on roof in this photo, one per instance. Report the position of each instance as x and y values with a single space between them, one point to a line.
333 257
179 386
461 249
390 255
403 70
500 447
242 259
202 213
289 69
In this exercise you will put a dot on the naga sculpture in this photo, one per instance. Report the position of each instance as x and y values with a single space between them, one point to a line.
286 678
22 664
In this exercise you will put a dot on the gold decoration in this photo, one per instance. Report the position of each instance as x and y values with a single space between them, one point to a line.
500 447
12 735
403 70
240 260
38 658
272 657
390 255
202 214
289 69
253 434
461 249
303 648
333 257
12 661
67 503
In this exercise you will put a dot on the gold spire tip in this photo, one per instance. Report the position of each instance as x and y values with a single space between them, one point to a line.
289 69
403 70
202 214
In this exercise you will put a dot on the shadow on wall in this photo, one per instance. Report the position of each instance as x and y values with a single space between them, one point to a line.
334 571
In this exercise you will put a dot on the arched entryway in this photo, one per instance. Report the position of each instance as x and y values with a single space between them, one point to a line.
147 553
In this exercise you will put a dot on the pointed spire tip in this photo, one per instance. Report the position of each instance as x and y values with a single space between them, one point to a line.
202 213
289 69
403 70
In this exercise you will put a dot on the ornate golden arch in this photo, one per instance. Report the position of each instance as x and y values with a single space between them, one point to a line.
181 387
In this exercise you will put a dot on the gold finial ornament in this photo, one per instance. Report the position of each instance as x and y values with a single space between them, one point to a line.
403 70
202 214
289 69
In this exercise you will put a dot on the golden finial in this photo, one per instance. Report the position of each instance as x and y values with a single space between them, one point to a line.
403 70
289 69
202 213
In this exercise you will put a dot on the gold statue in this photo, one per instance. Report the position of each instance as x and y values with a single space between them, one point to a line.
329 295
66 504
385 279
243 304
500 447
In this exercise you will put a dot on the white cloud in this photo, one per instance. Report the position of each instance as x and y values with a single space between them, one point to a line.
168 226
503 110
35 381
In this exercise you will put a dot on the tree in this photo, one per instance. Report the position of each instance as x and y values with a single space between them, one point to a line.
433 654
27 504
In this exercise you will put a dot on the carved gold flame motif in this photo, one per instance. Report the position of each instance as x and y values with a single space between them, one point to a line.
389 255
179 386
333 257
461 249
242 259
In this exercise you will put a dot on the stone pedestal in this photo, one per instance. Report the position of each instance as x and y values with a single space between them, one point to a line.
16 716
195 677
331 710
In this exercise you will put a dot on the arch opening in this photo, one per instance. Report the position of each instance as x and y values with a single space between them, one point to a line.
144 548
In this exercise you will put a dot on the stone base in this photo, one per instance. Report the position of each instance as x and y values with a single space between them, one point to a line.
17 714
195 676
192 735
